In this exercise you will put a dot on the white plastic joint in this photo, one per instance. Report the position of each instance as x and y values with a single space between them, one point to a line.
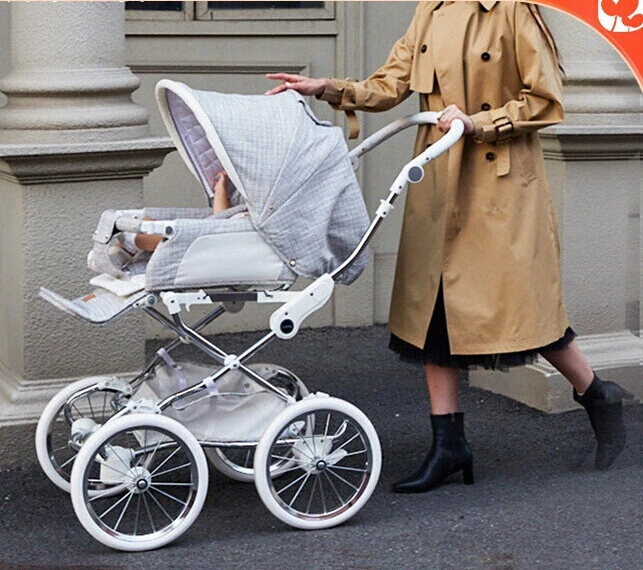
285 321
142 406
384 209
159 227
116 384
232 361
173 301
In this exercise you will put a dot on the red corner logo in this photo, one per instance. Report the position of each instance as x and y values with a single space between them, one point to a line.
620 15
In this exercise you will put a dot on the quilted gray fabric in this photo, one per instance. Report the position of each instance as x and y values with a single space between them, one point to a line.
293 169
163 267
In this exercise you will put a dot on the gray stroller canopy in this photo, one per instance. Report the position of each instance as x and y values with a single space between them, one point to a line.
291 170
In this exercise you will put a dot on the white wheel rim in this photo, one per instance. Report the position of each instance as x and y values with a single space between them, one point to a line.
336 466
161 489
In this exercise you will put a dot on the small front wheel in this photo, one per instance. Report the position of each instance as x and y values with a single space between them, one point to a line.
335 460
155 479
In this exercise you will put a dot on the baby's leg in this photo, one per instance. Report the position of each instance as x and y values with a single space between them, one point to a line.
147 242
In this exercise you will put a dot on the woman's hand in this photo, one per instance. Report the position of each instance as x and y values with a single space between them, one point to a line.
451 113
299 83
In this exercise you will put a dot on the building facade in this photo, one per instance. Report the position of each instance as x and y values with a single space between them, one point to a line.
80 133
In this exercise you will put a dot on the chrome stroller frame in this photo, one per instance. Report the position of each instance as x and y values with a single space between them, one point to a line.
303 427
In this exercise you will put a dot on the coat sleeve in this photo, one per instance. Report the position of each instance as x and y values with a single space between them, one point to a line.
539 102
386 88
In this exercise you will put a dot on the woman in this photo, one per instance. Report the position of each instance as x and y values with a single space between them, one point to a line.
477 279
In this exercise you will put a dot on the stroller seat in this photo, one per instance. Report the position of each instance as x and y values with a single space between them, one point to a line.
296 206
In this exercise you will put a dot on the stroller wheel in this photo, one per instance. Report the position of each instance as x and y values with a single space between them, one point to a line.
237 463
155 478
335 459
55 448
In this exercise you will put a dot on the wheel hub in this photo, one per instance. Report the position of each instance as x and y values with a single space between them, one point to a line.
140 481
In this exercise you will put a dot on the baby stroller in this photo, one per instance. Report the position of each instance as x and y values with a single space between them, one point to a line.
132 451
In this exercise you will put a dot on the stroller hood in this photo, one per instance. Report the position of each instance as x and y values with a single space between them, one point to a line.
291 170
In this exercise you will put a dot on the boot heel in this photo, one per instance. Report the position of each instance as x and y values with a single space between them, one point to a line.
467 473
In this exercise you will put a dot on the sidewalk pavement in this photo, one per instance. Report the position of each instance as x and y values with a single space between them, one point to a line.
537 502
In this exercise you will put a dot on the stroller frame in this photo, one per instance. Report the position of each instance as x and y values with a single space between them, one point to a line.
299 305
296 426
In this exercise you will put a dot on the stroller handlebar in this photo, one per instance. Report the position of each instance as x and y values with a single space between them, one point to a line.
385 133
412 172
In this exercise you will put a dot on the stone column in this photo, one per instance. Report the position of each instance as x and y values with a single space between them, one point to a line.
595 170
72 144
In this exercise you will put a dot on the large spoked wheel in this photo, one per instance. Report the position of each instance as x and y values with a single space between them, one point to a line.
336 463
237 463
155 479
55 449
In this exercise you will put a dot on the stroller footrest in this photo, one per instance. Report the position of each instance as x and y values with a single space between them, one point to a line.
98 307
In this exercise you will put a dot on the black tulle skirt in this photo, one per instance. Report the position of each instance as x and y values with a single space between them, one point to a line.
437 350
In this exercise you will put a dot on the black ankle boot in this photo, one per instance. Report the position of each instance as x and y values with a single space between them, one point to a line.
449 454
603 402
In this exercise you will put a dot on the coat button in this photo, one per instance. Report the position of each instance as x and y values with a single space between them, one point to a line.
486 56
423 48
292 263
490 156
485 106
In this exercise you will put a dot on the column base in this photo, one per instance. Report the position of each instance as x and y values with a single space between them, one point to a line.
614 356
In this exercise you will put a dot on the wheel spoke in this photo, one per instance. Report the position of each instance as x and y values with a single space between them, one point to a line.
281 457
326 431
149 514
360 452
102 417
149 459
89 401
138 512
312 494
115 505
166 460
342 479
305 439
153 487
321 491
341 500
354 469
294 468
307 476
68 461
343 445
171 470
128 467
108 466
74 407
291 484
120 518
170 518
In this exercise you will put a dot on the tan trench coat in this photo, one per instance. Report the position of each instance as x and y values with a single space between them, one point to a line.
482 218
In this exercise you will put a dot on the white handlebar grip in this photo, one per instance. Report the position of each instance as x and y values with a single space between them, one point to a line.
132 225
